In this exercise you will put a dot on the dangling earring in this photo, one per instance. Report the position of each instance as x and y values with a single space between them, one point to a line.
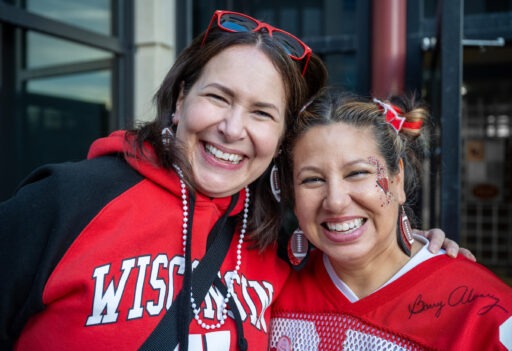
298 248
405 238
275 184
167 135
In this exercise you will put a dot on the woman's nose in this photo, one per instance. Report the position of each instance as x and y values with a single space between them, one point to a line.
336 198
233 125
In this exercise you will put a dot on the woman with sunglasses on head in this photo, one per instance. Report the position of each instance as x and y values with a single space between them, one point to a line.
166 235
370 283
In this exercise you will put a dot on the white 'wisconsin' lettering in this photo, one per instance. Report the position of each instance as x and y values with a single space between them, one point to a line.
153 292
104 309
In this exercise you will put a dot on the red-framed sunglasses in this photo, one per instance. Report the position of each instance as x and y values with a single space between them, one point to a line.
230 21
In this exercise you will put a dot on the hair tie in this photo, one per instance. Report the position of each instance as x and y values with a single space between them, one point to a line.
306 105
394 118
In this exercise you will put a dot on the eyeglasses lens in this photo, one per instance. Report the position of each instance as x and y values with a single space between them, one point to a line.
237 23
290 44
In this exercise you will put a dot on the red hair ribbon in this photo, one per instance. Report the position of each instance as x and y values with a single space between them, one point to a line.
393 117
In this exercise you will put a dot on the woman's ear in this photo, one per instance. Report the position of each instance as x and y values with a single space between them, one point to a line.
179 105
400 184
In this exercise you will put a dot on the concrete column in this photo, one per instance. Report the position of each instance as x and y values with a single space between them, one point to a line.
155 51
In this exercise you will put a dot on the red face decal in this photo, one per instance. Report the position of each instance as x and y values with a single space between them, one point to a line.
382 179
383 183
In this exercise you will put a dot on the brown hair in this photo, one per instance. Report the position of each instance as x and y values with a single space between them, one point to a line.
265 216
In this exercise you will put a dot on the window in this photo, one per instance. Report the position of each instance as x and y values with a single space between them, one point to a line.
66 73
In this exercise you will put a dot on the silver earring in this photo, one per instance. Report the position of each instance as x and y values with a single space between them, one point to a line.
167 134
275 184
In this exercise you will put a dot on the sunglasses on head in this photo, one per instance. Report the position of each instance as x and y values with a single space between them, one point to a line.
238 22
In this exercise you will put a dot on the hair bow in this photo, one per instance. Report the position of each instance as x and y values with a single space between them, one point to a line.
393 117
392 114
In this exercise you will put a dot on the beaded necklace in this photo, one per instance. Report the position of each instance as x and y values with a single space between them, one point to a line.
230 285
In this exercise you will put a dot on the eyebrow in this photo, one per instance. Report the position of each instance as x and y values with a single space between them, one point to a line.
360 160
230 92
351 163
267 105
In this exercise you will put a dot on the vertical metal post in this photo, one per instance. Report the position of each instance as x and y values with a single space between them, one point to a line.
124 68
363 45
451 81
184 18
9 150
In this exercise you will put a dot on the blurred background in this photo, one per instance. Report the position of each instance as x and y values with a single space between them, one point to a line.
75 70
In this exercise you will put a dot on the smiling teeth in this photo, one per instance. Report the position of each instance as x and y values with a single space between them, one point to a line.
345 226
233 158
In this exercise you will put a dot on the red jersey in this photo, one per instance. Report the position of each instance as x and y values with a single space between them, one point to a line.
441 304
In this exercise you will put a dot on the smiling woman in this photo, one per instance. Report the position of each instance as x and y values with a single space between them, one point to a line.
231 129
166 234
327 183
371 284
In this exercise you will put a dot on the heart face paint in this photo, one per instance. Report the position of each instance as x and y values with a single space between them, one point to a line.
382 179
383 183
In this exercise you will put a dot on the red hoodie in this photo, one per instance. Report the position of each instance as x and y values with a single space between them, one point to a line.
112 277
